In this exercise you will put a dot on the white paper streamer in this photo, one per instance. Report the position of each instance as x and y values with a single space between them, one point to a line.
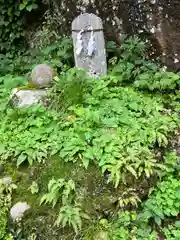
79 43
91 45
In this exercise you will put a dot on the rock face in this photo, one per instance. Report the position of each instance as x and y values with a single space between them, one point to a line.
18 210
42 76
25 98
156 20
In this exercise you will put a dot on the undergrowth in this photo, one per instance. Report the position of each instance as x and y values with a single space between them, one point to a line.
119 124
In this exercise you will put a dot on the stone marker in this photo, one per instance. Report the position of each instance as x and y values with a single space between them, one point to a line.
89 45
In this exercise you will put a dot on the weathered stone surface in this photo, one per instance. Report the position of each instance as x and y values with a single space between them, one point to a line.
25 98
18 210
89 45
42 76
7 180
158 21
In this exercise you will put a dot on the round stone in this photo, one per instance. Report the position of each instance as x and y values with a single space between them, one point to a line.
18 210
42 76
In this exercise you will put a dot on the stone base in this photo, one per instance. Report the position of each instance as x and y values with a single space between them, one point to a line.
25 98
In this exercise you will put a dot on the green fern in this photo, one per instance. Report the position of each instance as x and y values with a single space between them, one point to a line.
70 215
58 190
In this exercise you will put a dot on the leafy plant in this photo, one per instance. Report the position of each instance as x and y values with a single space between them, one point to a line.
133 61
70 88
134 67
114 127
172 232
28 5
165 200
12 30
70 215
22 144
6 191
59 189
126 227
70 212
34 188
171 162
128 197
157 81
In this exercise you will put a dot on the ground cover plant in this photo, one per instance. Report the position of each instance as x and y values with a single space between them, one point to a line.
101 162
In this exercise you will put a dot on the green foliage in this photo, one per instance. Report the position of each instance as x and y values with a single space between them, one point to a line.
12 23
133 67
99 122
34 188
172 232
70 213
132 61
5 203
30 128
165 200
114 127
59 189
157 81
18 54
171 162
70 88
28 5
127 227
162 206
58 54
116 136
49 47
128 197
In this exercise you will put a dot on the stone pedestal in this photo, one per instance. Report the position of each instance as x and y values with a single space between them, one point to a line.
25 98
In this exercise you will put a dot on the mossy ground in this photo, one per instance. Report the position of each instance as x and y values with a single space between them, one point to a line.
96 196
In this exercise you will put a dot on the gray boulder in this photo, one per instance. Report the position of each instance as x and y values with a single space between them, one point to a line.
42 76
25 98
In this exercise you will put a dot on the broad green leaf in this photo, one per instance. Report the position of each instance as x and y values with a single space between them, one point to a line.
21 159
85 162
177 224
29 8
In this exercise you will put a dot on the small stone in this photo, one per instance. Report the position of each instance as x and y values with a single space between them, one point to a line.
7 180
18 210
42 76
